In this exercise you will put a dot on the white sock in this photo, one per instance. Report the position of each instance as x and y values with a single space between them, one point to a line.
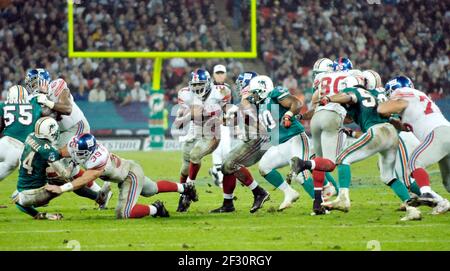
227 196
253 185
436 196
180 188
153 210
343 191
425 189
313 164
189 180
285 187
95 187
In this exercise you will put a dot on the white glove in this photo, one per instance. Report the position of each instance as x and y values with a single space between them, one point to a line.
42 99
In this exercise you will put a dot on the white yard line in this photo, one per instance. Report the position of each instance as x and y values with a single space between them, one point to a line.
216 227
194 245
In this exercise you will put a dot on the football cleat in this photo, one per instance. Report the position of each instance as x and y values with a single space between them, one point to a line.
183 203
412 213
426 199
104 195
341 203
225 208
442 207
217 176
321 210
259 199
328 192
290 197
161 210
48 216
190 191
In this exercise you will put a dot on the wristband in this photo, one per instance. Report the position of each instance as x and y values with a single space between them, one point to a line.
66 187
289 113
50 104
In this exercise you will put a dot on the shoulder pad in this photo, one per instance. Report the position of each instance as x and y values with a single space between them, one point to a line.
57 86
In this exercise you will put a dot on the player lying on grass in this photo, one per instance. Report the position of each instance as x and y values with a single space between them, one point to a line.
55 98
130 177
379 137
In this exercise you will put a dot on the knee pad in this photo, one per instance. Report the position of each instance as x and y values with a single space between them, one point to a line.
264 169
228 167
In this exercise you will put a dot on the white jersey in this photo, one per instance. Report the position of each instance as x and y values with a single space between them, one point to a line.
421 113
216 100
331 83
115 170
56 87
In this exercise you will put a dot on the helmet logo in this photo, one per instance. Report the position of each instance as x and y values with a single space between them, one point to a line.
90 142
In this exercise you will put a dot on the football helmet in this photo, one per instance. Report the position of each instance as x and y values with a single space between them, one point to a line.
372 79
17 95
322 65
81 147
47 128
37 81
398 82
200 83
260 87
243 81
342 64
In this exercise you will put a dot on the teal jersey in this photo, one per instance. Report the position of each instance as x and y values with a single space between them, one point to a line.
20 119
36 156
364 111
271 114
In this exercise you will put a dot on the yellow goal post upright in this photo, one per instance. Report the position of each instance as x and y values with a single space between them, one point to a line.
156 103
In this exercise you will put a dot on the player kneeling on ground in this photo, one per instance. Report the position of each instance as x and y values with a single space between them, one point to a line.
100 163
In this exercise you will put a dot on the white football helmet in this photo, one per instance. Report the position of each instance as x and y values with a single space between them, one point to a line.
372 79
351 81
17 95
47 128
260 86
322 65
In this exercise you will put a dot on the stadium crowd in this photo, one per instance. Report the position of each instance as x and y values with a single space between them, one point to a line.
391 38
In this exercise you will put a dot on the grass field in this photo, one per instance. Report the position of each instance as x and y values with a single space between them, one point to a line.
372 217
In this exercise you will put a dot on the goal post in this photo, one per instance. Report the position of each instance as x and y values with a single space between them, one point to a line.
156 128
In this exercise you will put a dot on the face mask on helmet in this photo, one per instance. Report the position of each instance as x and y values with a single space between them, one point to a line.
260 87
199 89
82 147
37 81
322 65
47 128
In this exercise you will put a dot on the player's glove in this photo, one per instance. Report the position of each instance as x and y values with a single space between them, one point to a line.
42 99
348 131
407 127
287 119
324 100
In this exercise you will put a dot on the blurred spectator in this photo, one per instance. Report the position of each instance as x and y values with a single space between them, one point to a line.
403 37
138 94
97 94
